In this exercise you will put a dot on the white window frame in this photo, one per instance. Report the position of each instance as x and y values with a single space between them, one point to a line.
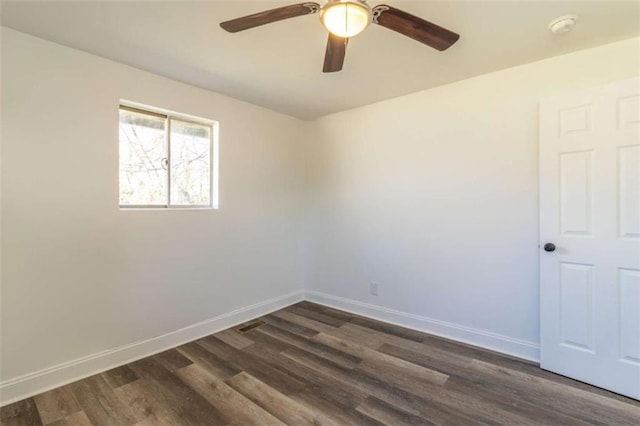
213 175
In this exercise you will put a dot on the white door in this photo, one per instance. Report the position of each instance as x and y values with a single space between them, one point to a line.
590 212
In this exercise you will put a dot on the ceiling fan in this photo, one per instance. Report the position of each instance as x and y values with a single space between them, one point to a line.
345 19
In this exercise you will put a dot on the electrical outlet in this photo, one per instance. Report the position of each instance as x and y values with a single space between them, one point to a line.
374 289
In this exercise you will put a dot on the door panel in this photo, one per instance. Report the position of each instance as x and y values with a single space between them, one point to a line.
629 296
576 299
575 120
590 210
628 111
629 191
575 193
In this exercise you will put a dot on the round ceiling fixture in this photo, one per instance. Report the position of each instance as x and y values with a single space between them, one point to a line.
563 24
346 18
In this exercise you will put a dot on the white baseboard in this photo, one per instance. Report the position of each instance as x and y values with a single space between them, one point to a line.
496 342
40 381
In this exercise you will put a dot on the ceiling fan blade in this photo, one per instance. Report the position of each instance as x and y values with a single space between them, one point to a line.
269 16
334 55
417 28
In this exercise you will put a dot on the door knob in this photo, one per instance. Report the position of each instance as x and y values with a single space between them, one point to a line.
549 247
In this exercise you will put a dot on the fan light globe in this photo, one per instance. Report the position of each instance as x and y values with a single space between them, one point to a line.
346 18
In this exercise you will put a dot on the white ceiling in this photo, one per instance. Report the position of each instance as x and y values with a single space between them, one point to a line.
279 65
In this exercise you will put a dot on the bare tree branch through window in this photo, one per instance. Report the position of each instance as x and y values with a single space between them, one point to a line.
164 161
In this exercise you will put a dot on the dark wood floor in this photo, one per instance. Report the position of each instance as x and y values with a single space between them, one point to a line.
309 364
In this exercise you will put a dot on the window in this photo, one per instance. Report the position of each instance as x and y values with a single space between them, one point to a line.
166 160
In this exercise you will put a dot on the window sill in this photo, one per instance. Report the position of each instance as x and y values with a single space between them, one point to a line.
161 209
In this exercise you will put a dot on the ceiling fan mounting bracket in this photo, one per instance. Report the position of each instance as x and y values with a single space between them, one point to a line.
313 7
377 11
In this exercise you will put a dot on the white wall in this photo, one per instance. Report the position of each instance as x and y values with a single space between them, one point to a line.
79 276
434 196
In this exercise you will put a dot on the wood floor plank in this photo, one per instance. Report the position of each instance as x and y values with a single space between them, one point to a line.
356 381
170 391
119 376
290 326
376 338
446 416
430 357
140 397
474 352
349 396
484 399
312 364
173 360
236 407
445 362
320 349
56 404
398 378
504 406
388 414
23 413
384 327
211 362
372 339
377 359
377 382
303 321
99 403
480 408
566 398
276 403
278 378
338 413
265 340
233 338
76 419
320 315
325 311
517 364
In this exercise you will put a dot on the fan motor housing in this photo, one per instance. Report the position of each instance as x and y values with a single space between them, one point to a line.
346 18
